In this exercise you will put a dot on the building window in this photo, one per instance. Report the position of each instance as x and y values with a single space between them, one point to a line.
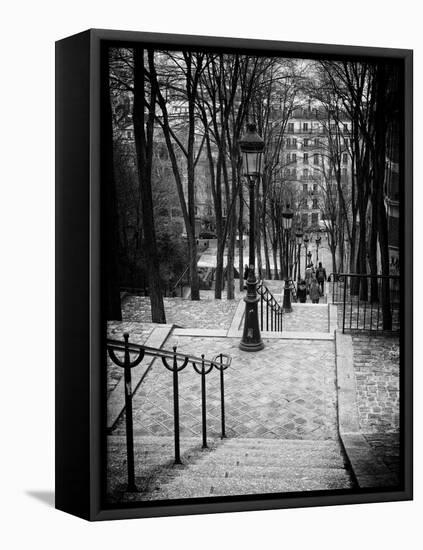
287 173
316 142
315 205
316 158
314 187
305 188
294 142
294 157
129 134
306 142
291 127
314 218
288 158
345 158
288 142
305 173
304 220
293 173
305 158
305 126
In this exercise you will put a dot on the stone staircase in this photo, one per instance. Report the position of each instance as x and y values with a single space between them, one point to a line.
238 466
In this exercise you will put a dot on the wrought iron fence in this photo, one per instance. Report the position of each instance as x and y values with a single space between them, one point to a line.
270 310
369 302
120 353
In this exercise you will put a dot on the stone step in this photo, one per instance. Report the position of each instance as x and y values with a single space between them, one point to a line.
236 466
236 451
186 486
239 442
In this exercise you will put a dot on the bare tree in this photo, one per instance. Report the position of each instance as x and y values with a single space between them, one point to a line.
144 135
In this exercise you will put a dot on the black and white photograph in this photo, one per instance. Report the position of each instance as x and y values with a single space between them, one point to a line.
252 273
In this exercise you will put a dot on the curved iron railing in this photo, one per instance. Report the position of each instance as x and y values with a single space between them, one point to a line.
270 310
174 362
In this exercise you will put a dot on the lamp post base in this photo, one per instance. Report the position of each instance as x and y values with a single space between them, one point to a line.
251 338
286 306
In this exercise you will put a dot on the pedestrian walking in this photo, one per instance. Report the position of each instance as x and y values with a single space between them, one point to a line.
321 277
302 291
314 291
308 275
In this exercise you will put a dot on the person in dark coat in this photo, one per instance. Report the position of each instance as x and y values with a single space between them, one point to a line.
302 291
321 277
314 290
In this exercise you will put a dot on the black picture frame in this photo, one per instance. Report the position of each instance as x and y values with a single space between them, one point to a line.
79 335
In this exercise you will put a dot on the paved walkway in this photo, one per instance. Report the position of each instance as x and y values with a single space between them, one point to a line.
139 332
186 313
376 365
287 391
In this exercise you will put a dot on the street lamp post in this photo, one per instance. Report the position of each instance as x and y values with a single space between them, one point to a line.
287 216
306 241
318 241
251 146
299 237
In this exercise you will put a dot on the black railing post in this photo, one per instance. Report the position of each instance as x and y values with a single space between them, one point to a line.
203 403
261 312
222 397
127 365
129 418
176 408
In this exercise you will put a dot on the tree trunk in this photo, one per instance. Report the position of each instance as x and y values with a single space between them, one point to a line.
230 295
382 221
374 293
144 149
218 284
110 224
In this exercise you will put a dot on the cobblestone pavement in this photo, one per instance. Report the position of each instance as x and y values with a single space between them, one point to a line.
301 319
139 332
185 313
306 319
376 366
285 391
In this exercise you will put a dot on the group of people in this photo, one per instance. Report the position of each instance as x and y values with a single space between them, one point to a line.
313 284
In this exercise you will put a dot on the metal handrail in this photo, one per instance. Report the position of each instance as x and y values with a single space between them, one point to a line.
118 345
276 309
368 301
178 361
272 301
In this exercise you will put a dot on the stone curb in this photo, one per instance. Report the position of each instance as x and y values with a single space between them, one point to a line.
234 329
221 333
116 399
369 471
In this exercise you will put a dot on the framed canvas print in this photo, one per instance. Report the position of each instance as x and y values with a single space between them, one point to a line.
234 274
